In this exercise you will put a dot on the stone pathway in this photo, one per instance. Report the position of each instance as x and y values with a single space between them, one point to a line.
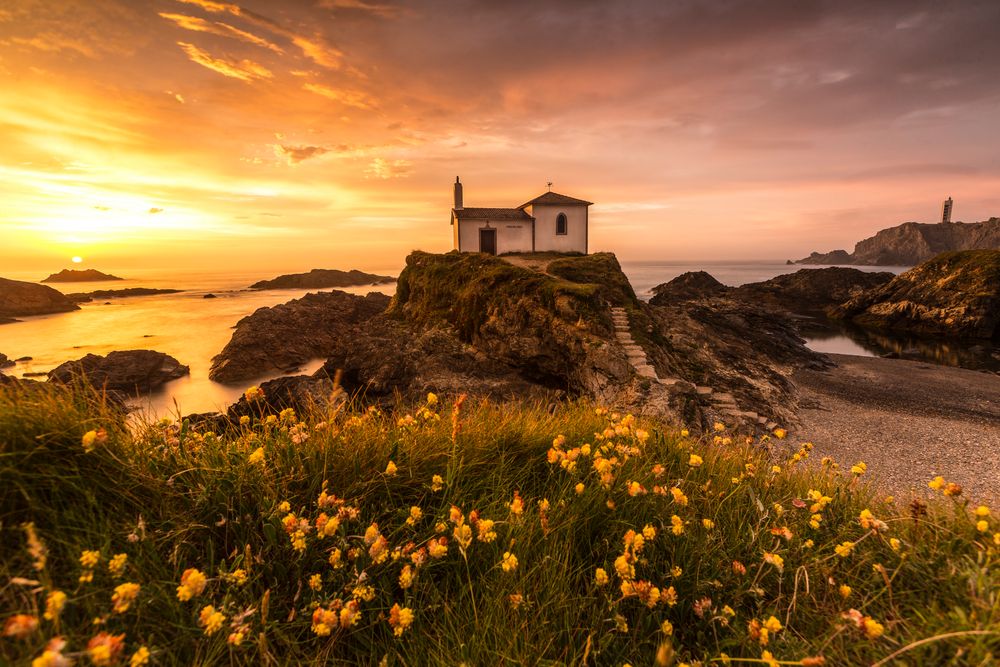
723 403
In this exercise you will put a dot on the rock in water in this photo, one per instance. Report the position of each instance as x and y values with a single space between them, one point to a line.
5 362
323 278
22 298
273 339
84 297
128 371
79 276
687 286
812 290
953 294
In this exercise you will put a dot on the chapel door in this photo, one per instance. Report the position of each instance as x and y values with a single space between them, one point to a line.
488 241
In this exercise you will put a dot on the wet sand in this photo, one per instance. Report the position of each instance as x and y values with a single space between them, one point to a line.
908 420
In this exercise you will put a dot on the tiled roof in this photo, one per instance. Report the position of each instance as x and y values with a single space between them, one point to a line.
556 199
491 214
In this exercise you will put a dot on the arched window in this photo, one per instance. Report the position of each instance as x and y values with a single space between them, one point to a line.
561 224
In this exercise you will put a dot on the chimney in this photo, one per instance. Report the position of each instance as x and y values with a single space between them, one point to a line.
946 210
458 194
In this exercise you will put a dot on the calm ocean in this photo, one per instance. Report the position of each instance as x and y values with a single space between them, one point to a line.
194 329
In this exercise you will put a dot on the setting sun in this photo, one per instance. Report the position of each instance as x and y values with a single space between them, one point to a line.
77 260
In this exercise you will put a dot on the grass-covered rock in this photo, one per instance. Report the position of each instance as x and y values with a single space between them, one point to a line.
474 533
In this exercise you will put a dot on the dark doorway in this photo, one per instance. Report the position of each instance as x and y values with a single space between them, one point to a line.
488 241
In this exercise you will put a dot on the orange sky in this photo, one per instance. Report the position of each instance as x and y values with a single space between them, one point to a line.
327 133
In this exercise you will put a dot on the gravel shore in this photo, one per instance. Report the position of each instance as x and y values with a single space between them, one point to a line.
908 420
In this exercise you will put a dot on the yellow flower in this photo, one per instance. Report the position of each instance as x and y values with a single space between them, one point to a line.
415 515
667 628
937 483
695 461
982 525
873 629
677 525
140 657
406 577
844 549
390 468
350 614
780 433
509 562
116 566
895 543
105 649
192 584
580 488
432 398
316 582
485 530
253 393
676 571
335 559
679 496
210 619
768 659
237 576
859 468
649 532
437 483
400 618
52 656
517 505
257 457
438 548
718 426
54 603
708 524
600 577
124 596
982 511
90 559
845 591
88 440
244 420
774 559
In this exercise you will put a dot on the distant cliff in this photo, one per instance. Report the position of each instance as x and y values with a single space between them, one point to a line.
323 278
911 243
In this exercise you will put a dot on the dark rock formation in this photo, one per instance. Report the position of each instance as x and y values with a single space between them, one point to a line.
687 286
299 392
210 296
910 243
127 371
79 276
23 298
323 278
272 340
812 290
85 297
5 362
954 294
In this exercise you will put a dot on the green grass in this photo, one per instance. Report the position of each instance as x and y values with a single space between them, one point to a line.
172 499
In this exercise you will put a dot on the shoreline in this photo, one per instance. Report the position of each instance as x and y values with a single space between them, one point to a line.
907 420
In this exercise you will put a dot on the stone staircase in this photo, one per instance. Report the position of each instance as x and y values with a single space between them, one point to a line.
723 403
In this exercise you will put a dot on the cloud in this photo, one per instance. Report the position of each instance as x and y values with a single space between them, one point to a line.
197 24
53 42
386 169
351 98
297 154
383 10
155 210
319 51
244 70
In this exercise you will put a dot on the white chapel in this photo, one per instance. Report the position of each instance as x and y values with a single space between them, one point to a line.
550 222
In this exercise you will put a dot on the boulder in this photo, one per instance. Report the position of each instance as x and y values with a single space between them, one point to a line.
129 371
274 339
299 392
5 362
323 278
80 276
18 298
687 286
954 294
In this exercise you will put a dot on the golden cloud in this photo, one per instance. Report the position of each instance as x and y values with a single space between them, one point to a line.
197 24
351 98
244 70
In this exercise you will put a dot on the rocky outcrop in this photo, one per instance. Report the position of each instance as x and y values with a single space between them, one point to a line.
323 278
954 294
299 392
279 338
23 298
687 286
5 362
911 243
812 290
129 371
79 276
86 297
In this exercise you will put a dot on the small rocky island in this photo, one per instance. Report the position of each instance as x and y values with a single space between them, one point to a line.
910 243
322 279
80 276
19 298
86 297
127 371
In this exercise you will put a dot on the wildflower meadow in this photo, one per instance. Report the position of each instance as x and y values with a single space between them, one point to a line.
463 531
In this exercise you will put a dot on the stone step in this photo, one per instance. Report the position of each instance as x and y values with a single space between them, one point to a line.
704 391
624 336
732 412
749 415
669 381
723 398
770 426
761 420
617 309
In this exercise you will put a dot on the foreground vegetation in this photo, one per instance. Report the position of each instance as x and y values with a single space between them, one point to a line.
468 533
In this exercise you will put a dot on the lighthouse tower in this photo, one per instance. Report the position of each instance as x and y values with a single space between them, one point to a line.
946 210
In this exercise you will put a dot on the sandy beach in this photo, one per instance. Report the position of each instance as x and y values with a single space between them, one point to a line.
907 420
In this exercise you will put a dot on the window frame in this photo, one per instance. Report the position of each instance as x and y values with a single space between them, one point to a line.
562 217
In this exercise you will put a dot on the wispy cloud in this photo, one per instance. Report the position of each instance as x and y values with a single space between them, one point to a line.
379 9
197 24
244 70
351 98
386 169
54 42
297 154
